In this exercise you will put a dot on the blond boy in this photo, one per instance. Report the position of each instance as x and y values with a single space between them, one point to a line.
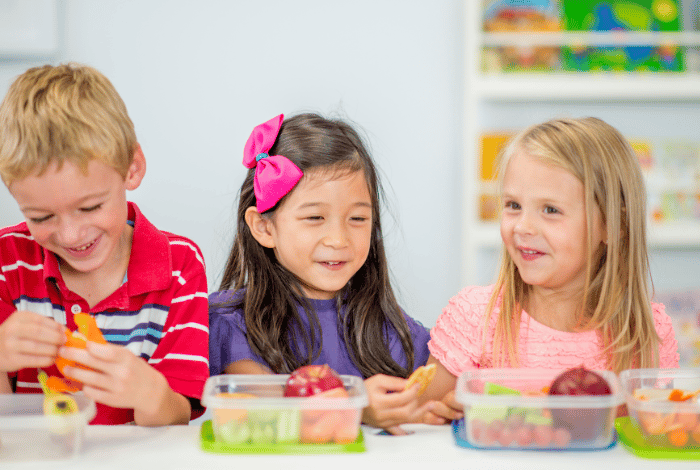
68 154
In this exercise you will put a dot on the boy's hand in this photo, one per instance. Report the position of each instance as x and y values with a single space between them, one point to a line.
28 339
122 380
390 405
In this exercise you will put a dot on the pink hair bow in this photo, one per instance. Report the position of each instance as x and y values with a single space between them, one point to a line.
275 175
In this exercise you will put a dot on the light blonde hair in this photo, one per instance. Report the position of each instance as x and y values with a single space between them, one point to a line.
616 300
70 112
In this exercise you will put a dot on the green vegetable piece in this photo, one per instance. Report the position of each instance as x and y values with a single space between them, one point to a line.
488 414
491 388
233 432
535 417
517 410
262 434
288 426
262 416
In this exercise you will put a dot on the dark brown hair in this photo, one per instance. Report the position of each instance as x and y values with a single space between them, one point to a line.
366 305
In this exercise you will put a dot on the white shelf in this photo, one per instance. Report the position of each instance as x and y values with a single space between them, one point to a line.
591 38
650 86
674 235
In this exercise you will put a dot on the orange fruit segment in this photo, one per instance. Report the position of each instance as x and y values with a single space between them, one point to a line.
58 385
88 327
87 331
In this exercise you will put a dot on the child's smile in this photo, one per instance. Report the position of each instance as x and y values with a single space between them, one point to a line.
529 254
84 250
333 265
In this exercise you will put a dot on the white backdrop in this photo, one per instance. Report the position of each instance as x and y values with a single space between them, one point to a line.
196 77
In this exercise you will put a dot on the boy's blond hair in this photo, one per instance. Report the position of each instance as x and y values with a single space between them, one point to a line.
70 112
616 301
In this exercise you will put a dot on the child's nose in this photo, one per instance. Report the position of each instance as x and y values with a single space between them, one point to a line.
525 225
336 236
69 231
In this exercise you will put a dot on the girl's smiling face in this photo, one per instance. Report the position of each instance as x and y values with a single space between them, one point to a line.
543 224
322 231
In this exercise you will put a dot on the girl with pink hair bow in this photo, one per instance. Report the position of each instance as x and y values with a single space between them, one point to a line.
307 280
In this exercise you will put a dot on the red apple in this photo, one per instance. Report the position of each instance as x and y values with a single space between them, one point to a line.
581 423
309 380
579 381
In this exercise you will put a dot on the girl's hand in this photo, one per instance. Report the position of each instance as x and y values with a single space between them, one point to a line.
390 405
29 340
447 409
122 380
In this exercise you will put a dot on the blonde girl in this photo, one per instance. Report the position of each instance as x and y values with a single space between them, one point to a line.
574 284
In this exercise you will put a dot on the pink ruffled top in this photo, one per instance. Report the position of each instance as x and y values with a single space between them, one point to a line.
456 338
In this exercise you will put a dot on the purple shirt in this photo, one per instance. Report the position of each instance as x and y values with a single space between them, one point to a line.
228 343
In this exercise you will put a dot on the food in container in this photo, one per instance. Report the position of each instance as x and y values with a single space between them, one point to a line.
512 409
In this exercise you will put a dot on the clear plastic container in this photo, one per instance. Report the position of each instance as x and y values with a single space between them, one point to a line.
27 434
510 409
662 423
251 414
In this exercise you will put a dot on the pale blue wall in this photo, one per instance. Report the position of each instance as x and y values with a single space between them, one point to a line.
198 75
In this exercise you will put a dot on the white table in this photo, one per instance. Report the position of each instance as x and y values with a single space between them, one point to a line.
428 447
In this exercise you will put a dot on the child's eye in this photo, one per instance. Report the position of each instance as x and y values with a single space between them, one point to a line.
512 205
314 217
359 219
38 220
91 208
551 210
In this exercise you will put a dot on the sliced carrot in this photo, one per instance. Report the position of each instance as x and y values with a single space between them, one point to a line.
321 430
677 438
658 423
688 421
695 434
677 395
346 433
225 415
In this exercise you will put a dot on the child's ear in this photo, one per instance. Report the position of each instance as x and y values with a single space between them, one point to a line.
136 171
260 227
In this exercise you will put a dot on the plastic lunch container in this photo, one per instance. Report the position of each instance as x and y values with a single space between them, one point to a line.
510 409
664 412
27 434
250 414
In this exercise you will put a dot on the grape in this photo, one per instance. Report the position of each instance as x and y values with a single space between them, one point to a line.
506 436
523 435
543 435
561 437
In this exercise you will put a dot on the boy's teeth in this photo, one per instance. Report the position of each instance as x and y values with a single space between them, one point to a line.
84 247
